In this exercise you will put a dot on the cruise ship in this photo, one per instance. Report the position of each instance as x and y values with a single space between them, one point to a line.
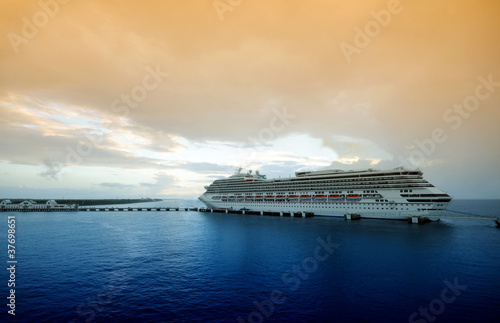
397 194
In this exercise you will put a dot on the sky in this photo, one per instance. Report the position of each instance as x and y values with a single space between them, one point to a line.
126 99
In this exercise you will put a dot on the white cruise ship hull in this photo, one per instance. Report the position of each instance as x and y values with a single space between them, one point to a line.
367 210
395 194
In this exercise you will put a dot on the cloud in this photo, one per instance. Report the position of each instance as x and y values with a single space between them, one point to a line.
52 169
358 164
229 71
202 167
226 77
160 180
351 148
32 132
118 186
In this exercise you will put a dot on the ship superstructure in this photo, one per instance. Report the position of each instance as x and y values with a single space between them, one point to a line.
399 193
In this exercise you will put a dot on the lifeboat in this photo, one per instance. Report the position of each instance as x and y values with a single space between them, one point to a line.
280 197
224 198
232 197
259 197
305 196
334 197
240 197
320 197
353 196
293 197
249 197
270 197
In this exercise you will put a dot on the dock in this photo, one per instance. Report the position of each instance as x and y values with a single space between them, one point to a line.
348 216
52 206
129 209
158 209
167 209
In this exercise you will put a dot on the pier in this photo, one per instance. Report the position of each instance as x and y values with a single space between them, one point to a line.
160 209
51 206
129 209
167 209
348 216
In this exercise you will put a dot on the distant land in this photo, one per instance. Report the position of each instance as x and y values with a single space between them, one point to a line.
89 202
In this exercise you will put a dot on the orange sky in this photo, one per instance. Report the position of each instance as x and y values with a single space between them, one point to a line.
221 71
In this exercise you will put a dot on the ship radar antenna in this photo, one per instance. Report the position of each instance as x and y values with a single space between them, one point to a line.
238 171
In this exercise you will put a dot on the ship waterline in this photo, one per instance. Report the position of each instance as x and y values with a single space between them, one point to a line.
396 194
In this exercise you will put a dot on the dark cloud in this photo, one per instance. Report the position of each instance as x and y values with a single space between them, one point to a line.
52 169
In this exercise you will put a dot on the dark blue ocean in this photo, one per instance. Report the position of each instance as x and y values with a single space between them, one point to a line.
203 267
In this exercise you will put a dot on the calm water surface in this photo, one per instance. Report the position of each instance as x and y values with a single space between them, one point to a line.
203 267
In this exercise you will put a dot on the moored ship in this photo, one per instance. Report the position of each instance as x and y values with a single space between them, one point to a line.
397 194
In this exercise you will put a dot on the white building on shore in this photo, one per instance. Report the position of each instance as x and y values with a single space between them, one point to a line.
30 205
